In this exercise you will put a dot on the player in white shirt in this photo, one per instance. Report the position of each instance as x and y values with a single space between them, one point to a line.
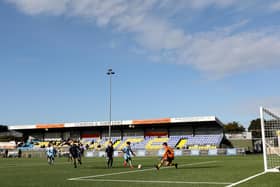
50 153
127 152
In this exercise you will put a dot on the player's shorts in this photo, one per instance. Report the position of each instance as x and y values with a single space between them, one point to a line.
75 155
50 157
127 158
110 156
169 159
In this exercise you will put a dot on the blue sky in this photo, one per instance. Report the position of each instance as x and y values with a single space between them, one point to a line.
171 58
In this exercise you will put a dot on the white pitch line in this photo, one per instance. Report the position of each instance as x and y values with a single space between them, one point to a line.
160 182
135 171
246 179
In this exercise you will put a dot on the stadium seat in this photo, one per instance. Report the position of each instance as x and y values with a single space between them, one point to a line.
204 142
200 141
182 143
156 143
133 140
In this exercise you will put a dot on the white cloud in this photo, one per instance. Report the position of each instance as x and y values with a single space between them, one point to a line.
275 6
250 106
202 3
222 55
196 4
219 52
33 7
231 28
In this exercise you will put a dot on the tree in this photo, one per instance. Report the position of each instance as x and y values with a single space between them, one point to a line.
233 127
255 128
3 128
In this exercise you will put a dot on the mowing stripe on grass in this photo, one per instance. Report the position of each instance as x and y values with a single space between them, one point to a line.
160 182
36 164
246 179
135 171
24 165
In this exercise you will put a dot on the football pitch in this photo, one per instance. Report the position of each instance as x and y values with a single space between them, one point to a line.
192 171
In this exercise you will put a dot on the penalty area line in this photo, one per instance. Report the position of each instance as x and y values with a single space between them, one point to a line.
136 171
246 179
159 182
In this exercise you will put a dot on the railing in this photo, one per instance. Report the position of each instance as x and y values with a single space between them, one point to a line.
40 153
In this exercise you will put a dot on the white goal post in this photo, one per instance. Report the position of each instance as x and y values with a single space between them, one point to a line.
270 130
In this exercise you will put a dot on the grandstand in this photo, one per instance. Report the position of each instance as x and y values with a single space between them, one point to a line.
181 133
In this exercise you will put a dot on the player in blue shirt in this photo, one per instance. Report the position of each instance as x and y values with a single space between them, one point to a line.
50 154
127 155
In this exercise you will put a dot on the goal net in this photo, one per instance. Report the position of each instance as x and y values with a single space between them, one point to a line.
270 127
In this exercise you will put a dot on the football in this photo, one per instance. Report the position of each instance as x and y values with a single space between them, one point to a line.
139 166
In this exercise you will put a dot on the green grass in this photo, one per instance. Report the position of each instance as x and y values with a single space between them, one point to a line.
242 144
36 172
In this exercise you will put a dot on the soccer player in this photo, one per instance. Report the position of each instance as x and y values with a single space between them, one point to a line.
82 149
75 152
167 157
19 153
81 152
70 158
50 154
127 155
6 153
110 151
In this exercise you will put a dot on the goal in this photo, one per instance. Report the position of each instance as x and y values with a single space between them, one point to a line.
270 127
